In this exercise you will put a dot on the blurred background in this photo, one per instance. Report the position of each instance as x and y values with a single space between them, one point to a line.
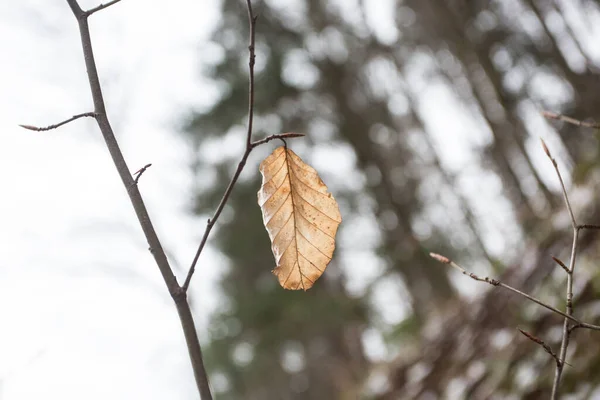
422 117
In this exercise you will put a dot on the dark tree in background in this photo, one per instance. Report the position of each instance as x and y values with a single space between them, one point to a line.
425 116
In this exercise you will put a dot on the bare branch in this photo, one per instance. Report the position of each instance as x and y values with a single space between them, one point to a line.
566 332
495 282
249 146
177 294
101 7
539 341
278 136
570 270
572 121
66 121
251 62
562 184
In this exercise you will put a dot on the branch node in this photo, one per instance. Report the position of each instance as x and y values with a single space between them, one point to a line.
100 7
139 173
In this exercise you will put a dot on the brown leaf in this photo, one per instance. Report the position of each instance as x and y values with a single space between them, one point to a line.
301 218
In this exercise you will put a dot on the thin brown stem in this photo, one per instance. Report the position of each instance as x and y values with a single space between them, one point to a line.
562 264
566 330
251 62
589 226
100 7
495 282
139 173
569 120
570 270
211 222
562 184
281 136
66 121
176 292
249 146
539 341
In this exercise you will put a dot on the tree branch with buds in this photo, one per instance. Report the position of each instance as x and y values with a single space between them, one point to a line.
570 322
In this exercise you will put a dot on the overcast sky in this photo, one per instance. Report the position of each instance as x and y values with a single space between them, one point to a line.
85 314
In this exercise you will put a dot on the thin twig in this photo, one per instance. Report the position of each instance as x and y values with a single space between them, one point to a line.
100 7
570 269
178 295
495 282
278 136
66 121
539 341
565 335
562 264
589 226
572 121
249 146
562 184
139 173
251 62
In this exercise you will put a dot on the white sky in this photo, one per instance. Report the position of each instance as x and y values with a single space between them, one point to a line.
84 312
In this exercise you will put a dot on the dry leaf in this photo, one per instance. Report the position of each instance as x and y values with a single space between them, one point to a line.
300 216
